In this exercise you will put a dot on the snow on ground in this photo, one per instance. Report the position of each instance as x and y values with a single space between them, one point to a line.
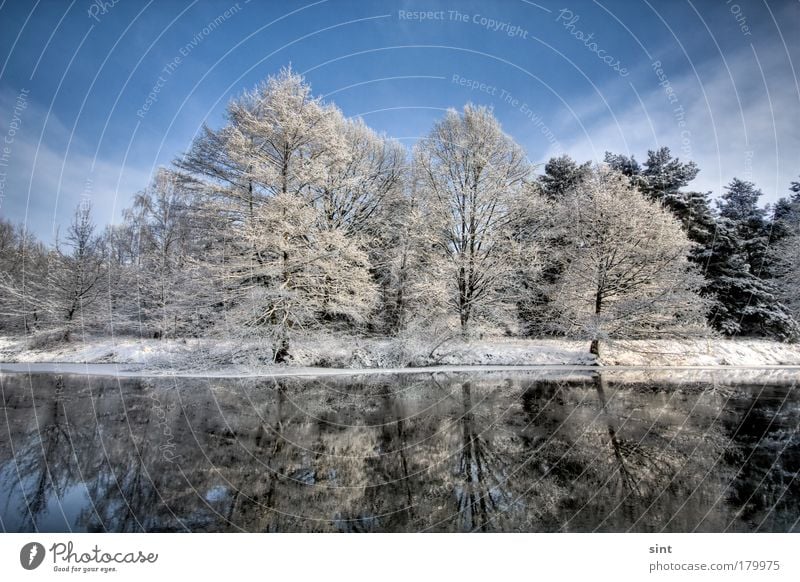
129 370
702 352
215 356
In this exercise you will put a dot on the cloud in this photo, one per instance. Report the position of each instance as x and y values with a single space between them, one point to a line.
741 123
44 183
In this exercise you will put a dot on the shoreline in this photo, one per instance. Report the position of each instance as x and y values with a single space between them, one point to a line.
727 375
332 355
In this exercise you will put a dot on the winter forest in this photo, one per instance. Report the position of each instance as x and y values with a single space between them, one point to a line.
291 219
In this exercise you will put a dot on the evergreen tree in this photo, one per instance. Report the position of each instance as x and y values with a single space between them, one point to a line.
784 256
561 174
739 205
627 166
786 215
663 177
666 174
747 303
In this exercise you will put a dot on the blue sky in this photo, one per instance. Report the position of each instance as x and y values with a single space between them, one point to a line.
714 80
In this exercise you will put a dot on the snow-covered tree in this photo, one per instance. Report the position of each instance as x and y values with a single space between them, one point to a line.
664 176
561 175
625 165
783 257
278 139
786 215
747 300
76 276
625 270
23 269
160 215
412 269
739 206
285 159
299 275
786 255
361 179
660 178
470 175
286 138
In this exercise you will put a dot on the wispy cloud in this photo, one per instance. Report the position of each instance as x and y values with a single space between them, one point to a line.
44 182
739 123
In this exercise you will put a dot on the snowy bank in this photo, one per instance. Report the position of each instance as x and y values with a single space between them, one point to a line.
702 352
349 353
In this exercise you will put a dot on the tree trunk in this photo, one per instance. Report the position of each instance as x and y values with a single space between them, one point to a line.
465 323
594 348
283 350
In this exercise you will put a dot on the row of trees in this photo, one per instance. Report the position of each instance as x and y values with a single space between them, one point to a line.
292 217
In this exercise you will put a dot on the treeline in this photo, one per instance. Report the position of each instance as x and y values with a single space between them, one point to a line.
292 218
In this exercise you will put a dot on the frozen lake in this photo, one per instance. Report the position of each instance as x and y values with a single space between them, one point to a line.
506 450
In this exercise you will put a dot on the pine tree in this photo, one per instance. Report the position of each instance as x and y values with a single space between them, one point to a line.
561 174
661 178
664 176
747 303
739 205
625 165
784 256
786 214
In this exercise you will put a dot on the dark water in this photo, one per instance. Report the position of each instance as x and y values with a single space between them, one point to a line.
444 452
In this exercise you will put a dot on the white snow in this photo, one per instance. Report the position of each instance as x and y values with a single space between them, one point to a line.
126 370
330 354
702 352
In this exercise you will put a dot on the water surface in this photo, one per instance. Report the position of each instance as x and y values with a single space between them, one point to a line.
501 451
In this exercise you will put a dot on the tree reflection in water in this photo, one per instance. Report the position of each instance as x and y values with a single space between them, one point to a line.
40 463
521 451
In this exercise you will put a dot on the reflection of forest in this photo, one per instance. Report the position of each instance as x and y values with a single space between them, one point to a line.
485 452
